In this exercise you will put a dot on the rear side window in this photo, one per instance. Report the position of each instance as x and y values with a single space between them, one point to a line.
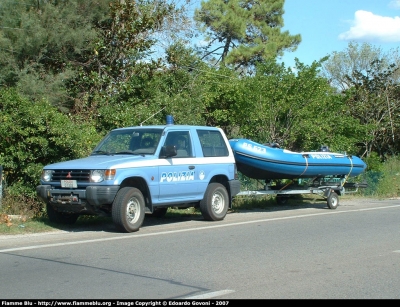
212 143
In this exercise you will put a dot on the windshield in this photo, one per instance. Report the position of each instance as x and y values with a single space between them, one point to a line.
129 141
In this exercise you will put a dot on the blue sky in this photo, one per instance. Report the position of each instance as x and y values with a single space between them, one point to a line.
329 25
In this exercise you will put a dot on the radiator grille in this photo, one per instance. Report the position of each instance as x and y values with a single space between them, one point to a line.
78 175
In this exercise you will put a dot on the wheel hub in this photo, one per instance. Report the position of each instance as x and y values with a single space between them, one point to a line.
132 211
218 203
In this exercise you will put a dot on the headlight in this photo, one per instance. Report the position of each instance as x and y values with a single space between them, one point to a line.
101 175
97 176
46 175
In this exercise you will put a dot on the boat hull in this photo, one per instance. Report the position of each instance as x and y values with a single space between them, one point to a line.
258 161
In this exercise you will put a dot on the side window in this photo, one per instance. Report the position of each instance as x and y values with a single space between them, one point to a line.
212 143
182 141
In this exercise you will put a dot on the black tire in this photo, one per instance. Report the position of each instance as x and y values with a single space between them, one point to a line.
282 199
214 205
60 217
333 200
159 212
128 210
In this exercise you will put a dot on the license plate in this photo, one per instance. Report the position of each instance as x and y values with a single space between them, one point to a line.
68 184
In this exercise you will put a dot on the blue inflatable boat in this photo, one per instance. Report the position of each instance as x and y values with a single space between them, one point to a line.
268 161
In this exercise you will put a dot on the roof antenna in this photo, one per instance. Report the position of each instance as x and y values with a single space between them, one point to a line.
152 116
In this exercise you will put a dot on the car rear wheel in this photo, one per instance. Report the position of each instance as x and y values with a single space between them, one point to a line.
214 205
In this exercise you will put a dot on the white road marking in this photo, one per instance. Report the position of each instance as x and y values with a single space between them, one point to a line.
209 295
136 235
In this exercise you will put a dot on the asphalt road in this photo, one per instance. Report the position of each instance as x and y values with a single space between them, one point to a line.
294 252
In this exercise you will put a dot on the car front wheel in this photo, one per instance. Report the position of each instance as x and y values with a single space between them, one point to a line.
128 210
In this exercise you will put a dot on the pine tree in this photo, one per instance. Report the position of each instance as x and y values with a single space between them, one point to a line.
243 32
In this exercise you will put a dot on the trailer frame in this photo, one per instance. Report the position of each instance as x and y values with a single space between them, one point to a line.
327 187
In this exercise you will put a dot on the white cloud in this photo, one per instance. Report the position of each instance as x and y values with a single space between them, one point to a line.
395 4
202 43
367 26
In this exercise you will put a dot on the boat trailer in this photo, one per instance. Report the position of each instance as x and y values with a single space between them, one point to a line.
328 187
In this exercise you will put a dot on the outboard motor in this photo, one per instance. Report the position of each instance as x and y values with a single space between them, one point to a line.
324 148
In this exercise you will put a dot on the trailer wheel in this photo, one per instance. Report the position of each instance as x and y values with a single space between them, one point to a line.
215 203
128 209
333 200
282 199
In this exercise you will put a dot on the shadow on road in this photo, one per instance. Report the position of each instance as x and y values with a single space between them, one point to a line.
106 224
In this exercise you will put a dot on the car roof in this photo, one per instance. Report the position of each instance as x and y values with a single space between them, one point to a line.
168 126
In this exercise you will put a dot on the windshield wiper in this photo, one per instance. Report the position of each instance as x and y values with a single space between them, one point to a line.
101 152
125 152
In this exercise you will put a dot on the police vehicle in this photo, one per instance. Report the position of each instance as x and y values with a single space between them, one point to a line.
144 169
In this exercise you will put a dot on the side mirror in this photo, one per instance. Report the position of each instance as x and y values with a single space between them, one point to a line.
168 151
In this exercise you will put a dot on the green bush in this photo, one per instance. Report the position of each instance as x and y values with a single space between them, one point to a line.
384 181
389 182
374 162
32 135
